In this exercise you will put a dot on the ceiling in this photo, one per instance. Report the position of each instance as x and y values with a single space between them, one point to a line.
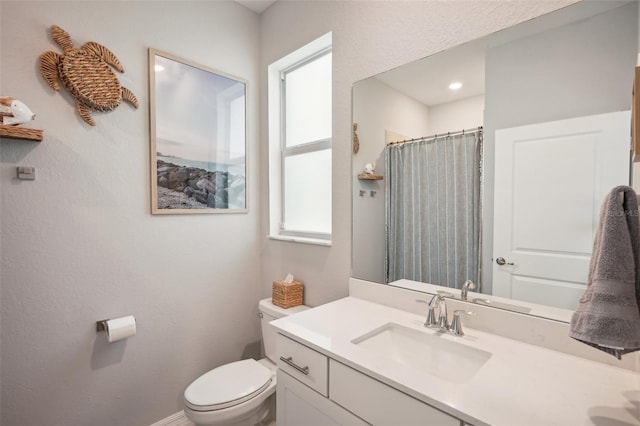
257 6
427 80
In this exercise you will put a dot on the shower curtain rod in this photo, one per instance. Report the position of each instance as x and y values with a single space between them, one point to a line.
435 136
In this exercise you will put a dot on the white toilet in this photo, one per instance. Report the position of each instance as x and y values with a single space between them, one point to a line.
240 393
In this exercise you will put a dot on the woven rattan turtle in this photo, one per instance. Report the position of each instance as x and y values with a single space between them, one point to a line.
86 74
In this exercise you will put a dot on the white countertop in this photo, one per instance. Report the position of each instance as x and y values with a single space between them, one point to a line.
520 384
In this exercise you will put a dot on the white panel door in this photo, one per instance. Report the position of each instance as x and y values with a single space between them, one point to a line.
550 180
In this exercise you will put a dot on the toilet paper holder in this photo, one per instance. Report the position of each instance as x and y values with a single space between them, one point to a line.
118 328
102 325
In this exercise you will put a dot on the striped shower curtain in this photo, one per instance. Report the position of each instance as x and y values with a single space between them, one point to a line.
433 210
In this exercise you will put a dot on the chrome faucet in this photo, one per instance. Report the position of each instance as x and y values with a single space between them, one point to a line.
442 324
468 285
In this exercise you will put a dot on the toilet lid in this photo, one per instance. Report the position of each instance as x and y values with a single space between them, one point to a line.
227 385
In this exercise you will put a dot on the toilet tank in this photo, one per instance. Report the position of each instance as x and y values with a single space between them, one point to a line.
269 313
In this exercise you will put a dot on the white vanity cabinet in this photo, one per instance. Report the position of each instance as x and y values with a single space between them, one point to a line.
299 405
314 389
302 389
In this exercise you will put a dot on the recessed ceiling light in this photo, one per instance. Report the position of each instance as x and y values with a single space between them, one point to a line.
455 85
158 68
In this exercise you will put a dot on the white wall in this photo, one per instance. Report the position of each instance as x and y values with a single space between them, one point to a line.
377 108
368 38
453 116
79 243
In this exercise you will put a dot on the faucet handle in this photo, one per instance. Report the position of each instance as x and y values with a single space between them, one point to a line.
431 315
456 323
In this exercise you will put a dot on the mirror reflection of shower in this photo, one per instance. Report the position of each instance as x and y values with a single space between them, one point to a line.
433 213
387 113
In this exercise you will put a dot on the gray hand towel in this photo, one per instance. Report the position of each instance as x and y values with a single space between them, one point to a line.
608 313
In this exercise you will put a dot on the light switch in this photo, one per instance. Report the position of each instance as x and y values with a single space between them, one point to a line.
26 173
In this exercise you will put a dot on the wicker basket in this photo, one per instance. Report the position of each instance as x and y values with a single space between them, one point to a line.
287 295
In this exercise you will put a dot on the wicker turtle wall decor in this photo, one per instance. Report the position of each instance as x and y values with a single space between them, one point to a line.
86 73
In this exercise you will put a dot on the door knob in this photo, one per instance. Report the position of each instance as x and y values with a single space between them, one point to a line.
500 261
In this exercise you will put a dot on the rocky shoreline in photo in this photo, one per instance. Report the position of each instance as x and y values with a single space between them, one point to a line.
181 187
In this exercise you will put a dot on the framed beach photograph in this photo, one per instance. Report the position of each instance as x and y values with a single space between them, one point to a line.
198 138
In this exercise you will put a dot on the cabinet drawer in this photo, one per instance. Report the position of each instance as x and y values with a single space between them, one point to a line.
379 404
303 363
299 405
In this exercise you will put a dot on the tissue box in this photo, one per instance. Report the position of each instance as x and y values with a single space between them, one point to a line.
287 295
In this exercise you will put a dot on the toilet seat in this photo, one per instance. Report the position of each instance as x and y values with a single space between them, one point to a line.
228 385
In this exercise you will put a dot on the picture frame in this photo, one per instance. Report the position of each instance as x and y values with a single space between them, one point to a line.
198 141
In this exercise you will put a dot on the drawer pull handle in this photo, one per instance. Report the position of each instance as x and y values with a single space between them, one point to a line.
288 361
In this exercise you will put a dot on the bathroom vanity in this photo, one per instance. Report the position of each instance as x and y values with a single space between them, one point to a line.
361 394
354 361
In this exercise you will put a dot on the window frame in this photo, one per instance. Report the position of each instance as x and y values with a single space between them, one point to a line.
279 152
304 148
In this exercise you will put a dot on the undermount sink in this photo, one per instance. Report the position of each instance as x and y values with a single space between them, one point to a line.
430 353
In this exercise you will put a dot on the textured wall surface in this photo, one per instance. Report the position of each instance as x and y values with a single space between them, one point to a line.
368 38
79 243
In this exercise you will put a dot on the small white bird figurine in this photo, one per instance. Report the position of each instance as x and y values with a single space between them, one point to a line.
369 168
14 112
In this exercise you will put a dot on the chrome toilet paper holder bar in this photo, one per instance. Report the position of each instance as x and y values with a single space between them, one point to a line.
102 325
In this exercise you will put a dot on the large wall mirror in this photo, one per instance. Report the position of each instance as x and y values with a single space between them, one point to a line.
500 181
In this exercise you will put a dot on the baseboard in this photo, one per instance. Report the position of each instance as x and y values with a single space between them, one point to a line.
177 419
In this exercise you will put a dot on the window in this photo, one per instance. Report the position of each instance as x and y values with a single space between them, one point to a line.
300 144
